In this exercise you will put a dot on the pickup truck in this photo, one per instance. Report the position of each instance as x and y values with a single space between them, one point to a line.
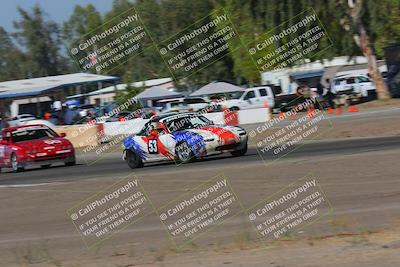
358 86
258 97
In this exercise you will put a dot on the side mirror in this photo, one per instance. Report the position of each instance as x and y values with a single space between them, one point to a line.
63 134
3 142
153 133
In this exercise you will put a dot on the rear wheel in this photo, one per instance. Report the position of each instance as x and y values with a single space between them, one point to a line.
70 160
15 164
133 159
183 152
240 152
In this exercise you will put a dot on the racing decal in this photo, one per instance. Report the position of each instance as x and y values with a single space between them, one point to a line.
224 135
2 151
152 146
52 142
131 144
194 140
161 148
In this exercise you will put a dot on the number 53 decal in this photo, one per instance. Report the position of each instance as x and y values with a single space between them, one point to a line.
152 146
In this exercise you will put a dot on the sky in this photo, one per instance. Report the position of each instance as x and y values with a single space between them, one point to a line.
57 10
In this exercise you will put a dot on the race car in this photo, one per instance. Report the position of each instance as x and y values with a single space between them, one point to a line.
182 138
23 146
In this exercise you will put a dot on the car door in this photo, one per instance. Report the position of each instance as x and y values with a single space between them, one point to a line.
157 140
265 97
5 149
249 100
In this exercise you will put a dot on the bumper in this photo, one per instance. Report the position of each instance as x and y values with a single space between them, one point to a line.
48 160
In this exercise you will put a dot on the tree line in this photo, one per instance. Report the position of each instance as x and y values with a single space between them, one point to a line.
37 46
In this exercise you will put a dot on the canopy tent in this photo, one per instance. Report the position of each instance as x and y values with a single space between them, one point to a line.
307 74
217 88
27 92
121 87
156 92
52 82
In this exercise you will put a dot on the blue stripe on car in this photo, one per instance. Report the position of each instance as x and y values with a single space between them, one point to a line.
194 140
131 144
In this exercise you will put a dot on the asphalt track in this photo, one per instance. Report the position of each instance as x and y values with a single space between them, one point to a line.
113 166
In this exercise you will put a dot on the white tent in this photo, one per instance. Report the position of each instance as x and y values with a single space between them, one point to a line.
157 92
217 88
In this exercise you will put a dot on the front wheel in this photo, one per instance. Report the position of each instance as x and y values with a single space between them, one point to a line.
133 159
183 152
239 153
15 164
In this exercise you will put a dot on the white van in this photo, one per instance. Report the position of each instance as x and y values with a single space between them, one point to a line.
358 85
256 97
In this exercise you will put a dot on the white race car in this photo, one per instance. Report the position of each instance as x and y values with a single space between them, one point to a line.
182 138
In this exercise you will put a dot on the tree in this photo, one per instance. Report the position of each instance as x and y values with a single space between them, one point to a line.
354 23
82 21
41 40
11 58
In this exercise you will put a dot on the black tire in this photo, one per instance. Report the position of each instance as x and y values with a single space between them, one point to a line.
239 153
234 109
183 152
45 166
70 163
133 159
15 164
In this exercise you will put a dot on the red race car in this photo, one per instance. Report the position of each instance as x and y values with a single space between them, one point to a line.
34 145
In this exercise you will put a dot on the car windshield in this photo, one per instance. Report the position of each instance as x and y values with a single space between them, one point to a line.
27 134
187 122
237 95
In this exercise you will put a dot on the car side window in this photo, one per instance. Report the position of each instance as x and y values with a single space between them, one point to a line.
363 79
350 81
249 95
263 92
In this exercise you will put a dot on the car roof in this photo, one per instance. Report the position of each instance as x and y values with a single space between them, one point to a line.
179 115
26 126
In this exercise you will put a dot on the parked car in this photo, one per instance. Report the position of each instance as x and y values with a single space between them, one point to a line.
17 120
182 104
182 137
358 86
23 146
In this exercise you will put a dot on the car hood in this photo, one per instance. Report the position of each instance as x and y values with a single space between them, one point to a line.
42 143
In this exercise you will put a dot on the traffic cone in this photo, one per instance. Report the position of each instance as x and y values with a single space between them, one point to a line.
269 113
339 111
330 110
352 108
310 112
281 115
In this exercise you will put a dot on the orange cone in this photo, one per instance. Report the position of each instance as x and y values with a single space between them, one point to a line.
281 116
330 110
310 111
339 111
352 108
